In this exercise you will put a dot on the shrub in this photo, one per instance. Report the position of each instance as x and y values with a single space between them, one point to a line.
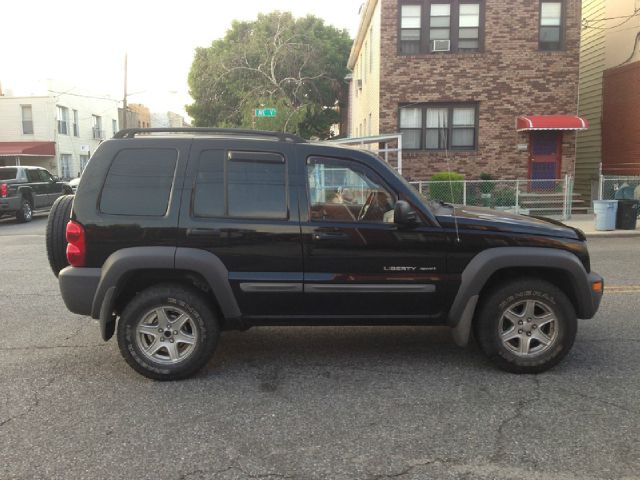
505 197
486 186
447 192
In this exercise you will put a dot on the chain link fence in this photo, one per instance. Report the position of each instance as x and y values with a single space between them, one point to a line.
627 187
529 197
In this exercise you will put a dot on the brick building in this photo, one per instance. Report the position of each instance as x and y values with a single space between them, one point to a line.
475 86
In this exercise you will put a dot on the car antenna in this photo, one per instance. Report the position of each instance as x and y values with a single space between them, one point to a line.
446 155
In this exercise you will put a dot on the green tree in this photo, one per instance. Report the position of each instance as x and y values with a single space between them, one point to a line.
277 61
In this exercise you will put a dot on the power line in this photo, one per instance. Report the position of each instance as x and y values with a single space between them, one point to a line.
608 18
59 94
585 22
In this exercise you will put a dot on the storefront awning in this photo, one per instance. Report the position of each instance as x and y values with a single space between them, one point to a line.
27 149
551 122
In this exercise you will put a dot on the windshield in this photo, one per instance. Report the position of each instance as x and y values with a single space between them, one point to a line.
8 173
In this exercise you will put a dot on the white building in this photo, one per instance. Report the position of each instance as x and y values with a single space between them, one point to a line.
57 131
168 120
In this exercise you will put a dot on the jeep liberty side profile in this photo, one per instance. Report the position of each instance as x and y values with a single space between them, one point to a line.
175 235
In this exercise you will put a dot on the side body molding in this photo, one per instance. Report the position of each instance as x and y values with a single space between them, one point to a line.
487 262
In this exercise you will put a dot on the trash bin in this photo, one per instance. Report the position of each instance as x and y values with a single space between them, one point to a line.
605 211
627 214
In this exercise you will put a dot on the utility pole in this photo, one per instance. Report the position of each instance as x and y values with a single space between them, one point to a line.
124 100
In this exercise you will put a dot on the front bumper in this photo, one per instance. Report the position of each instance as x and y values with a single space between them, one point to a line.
78 287
595 294
10 204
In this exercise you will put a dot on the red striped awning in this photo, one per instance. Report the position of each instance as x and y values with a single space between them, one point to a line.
551 122
27 149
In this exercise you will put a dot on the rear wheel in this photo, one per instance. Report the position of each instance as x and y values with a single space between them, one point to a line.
25 214
167 332
56 237
526 326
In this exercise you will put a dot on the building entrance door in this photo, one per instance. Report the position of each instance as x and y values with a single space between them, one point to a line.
545 156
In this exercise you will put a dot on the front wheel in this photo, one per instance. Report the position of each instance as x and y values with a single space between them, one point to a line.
167 332
526 326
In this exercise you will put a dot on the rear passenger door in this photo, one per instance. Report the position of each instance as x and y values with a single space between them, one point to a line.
39 188
237 204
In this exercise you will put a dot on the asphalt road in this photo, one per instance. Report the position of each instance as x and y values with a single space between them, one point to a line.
312 403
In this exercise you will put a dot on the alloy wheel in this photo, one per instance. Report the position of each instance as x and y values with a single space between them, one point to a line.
528 327
167 335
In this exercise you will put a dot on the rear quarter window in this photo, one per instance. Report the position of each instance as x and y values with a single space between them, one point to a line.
139 182
8 173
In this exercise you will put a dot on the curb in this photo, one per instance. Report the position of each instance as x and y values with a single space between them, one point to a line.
613 234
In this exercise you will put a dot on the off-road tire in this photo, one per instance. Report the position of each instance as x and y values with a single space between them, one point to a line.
168 296
25 214
56 237
496 303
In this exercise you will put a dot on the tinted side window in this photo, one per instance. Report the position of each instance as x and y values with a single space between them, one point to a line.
8 173
139 182
241 184
257 188
44 176
32 176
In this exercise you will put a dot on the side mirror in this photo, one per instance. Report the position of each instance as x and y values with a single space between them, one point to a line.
404 215
55 179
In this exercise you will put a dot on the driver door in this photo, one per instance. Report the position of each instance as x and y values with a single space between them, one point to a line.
357 262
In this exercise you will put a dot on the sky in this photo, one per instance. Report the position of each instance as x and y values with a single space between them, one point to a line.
81 43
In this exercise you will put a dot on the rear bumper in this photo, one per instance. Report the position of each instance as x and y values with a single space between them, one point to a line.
78 287
10 204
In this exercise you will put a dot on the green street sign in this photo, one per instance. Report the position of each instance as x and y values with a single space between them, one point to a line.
266 112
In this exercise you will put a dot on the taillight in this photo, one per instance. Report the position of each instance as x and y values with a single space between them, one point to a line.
3 190
76 248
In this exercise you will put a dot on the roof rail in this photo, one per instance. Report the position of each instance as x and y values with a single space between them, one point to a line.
283 137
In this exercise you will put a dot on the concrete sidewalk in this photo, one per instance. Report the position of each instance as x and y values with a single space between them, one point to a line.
587 224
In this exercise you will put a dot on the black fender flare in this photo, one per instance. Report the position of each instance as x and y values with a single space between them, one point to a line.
26 191
128 260
214 272
486 263
125 261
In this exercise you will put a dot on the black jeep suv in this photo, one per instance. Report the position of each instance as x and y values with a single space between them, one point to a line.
178 234
25 189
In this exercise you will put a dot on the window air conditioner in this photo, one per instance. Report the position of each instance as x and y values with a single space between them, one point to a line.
441 45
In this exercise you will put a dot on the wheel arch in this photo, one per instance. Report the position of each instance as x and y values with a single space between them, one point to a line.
490 267
130 270
26 192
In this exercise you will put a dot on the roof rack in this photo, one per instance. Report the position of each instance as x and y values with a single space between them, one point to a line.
283 137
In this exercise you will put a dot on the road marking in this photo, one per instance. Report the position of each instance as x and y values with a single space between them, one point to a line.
622 288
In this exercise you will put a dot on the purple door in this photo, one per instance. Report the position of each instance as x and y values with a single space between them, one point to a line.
544 157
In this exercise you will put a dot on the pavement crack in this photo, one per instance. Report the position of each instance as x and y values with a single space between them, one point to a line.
521 405
599 400
213 473
408 469
36 397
